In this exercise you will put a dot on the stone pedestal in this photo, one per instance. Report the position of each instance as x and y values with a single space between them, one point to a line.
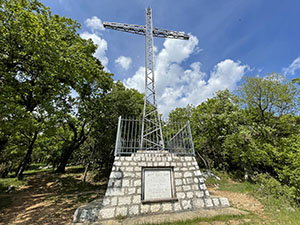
124 194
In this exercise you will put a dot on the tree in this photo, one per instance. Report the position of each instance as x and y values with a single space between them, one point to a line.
268 97
269 105
212 121
42 60
289 172
92 129
121 101
181 114
296 81
79 131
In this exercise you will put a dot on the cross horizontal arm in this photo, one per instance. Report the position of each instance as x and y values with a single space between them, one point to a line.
141 30
157 32
131 28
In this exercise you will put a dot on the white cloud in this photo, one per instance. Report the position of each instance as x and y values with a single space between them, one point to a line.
94 23
225 75
294 66
177 86
124 62
101 49
137 81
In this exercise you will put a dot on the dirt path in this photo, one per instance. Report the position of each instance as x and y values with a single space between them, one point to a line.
245 202
41 203
30 208
240 200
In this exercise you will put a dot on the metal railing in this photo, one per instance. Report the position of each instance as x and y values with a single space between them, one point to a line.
177 137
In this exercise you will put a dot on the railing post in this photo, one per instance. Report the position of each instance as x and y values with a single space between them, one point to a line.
190 133
118 136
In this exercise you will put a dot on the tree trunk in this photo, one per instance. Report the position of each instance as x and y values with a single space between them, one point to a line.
64 159
85 171
27 157
75 144
3 141
2 145
88 164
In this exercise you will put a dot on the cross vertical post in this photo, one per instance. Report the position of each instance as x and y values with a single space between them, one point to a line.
151 133
151 136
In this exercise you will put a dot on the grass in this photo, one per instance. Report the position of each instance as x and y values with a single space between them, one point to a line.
6 182
214 219
5 197
286 217
280 212
37 168
69 185
229 184
36 171
244 187
276 208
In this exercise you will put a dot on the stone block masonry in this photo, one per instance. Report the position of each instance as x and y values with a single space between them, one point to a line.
123 196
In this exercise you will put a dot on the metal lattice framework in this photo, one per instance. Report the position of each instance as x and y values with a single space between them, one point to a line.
177 137
151 132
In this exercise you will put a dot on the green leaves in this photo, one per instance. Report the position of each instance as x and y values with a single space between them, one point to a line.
268 97
212 122
42 61
256 133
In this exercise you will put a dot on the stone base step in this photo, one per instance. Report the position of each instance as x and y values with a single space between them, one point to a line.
169 217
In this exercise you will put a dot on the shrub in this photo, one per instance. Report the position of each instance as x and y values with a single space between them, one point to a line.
272 189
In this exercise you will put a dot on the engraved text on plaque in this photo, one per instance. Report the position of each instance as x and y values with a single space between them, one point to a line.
157 184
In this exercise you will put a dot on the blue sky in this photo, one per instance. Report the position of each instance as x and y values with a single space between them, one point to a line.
230 39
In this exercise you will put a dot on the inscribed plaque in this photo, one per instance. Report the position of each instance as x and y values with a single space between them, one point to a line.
157 183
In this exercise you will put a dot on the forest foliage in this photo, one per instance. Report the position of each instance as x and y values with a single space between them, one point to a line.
59 106
55 95
255 131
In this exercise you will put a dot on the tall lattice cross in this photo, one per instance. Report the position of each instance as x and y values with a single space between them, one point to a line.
151 133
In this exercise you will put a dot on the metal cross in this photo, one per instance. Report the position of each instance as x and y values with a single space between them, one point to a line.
151 134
